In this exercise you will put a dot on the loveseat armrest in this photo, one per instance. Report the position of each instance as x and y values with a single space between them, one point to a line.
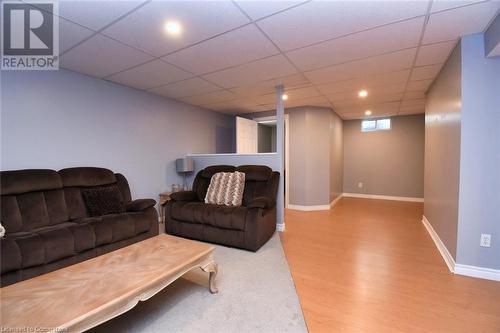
261 202
139 205
184 196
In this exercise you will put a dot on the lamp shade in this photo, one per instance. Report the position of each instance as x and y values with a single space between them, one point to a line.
184 165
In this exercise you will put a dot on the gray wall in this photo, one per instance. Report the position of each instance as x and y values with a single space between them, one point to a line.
480 156
387 162
442 151
315 156
492 38
336 156
58 119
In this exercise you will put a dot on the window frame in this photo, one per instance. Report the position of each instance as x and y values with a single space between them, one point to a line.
377 126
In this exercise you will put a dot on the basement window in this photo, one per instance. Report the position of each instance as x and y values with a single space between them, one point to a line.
375 125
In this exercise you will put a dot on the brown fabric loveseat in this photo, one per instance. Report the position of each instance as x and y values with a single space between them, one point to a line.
248 227
48 226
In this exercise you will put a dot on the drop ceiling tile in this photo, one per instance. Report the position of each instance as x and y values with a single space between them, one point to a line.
294 94
233 107
411 95
260 70
439 5
425 72
321 20
420 85
395 61
302 92
95 14
361 45
71 34
149 75
413 103
199 20
434 53
308 101
411 110
371 82
454 23
265 99
101 56
269 86
233 48
190 87
259 9
210 98
366 104
376 109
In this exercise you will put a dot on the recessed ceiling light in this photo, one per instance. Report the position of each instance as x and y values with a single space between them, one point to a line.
368 112
284 97
173 28
363 93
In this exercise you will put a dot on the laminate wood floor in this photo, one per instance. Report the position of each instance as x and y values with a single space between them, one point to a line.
370 266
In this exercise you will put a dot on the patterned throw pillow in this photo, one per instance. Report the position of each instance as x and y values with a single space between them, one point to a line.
103 200
226 188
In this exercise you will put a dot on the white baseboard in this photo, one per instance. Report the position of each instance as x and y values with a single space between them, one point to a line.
448 259
382 197
309 208
316 207
478 272
460 269
336 200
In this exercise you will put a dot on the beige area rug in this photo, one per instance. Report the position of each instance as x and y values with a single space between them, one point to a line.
256 294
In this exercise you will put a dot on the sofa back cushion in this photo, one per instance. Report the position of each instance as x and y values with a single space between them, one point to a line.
31 199
77 179
257 180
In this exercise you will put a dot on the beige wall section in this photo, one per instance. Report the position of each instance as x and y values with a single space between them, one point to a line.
389 162
442 152
315 165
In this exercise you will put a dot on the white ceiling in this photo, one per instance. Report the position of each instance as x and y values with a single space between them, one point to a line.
231 54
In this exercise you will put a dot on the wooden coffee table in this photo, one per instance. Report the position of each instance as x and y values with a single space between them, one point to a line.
81 296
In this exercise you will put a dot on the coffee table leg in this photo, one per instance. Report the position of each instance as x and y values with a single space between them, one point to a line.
211 268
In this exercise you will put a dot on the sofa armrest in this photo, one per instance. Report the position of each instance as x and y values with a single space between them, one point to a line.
139 205
184 196
261 202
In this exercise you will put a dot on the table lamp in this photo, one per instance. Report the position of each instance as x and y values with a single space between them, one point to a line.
184 166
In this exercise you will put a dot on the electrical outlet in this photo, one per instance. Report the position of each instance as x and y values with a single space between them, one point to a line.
360 184
485 240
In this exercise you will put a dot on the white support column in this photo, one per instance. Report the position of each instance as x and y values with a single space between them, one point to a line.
280 139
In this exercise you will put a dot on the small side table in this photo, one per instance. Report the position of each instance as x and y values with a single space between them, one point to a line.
164 198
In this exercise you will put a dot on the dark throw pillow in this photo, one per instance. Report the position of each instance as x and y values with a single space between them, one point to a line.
103 200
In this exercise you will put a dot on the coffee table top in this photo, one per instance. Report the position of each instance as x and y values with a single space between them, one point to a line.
110 282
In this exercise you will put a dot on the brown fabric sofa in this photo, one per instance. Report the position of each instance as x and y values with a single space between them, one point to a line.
248 227
48 226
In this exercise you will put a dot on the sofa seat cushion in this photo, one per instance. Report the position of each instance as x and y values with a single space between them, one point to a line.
219 216
37 247
58 243
122 226
11 255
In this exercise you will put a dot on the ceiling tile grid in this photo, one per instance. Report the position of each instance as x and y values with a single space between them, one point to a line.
230 55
